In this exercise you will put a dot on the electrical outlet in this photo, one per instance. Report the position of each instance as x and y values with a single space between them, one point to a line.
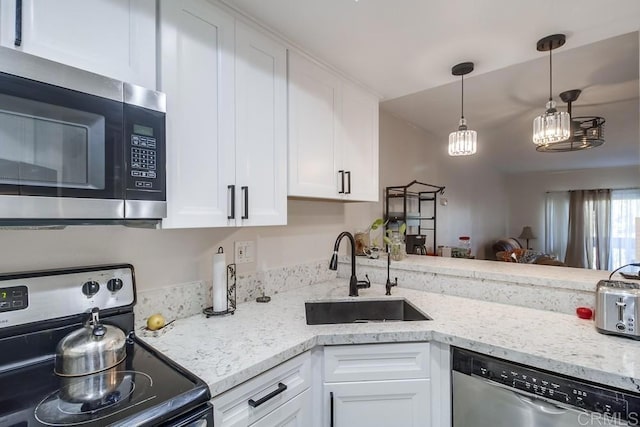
245 252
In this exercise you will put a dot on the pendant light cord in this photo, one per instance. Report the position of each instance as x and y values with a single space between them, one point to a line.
550 76
462 99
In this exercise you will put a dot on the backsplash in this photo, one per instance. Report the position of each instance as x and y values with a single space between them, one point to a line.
188 299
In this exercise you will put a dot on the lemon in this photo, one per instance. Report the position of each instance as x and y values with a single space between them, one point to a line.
155 322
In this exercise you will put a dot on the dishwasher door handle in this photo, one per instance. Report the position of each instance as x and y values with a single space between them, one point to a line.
539 403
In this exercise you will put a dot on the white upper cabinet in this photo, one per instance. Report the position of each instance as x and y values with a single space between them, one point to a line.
115 38
226 119
360 142
197 74
261 128
315 154
333 135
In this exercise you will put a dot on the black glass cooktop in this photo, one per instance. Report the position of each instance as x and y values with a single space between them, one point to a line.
146 389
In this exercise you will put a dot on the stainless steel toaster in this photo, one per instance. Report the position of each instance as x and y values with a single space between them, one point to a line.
617 308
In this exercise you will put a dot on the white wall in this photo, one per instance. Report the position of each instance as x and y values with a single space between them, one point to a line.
166 257
475 193
526 193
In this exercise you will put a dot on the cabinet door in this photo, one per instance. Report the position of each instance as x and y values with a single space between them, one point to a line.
294 413
314 134
197 74
116 38
378 403
360 143
261 128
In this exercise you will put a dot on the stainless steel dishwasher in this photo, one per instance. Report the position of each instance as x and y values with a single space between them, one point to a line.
491 392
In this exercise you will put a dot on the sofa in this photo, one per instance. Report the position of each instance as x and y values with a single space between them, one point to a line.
510 250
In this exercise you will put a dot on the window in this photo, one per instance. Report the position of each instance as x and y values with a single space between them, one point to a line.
624 209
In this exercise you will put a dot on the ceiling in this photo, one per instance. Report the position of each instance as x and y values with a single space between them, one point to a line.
404 50
398 47
501 106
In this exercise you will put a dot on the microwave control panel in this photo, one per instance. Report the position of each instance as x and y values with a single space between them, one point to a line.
143 162
144 153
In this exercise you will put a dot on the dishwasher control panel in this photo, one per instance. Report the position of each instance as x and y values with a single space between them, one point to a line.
550 386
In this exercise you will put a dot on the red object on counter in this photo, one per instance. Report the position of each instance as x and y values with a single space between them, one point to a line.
584 312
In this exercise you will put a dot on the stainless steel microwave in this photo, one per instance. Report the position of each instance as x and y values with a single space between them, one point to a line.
77 146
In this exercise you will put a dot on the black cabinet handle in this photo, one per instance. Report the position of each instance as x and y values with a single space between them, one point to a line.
245 190
18 40
274 393
331 406
233 201
348 173
342 182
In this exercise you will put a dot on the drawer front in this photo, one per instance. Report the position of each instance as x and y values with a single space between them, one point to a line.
294 413
232 408
376 362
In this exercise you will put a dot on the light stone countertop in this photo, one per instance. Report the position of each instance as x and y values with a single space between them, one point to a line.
227 351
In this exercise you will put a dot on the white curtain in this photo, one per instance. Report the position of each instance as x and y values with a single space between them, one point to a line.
589 229
625 208
556 223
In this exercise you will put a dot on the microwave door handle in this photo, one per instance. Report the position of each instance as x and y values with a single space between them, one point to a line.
18 39
232 203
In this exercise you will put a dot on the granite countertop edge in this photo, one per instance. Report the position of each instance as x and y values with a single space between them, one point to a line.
226 352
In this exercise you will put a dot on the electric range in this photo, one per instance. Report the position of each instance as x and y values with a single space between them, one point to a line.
37 309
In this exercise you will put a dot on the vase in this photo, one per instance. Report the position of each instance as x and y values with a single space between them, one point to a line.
397 247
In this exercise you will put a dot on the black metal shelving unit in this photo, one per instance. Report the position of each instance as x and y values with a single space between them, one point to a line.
419 196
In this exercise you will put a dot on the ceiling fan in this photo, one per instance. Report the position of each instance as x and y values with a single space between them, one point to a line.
586 131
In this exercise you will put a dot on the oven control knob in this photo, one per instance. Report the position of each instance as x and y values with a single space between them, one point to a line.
114 285
90 288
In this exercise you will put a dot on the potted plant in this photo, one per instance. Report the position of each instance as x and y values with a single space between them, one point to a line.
363 239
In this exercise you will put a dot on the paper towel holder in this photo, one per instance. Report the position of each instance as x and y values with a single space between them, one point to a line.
231 292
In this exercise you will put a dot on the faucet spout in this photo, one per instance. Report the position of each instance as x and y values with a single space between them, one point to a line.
333 264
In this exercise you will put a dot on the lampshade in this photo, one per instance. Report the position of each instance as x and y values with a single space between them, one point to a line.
462 142
527 233
552 126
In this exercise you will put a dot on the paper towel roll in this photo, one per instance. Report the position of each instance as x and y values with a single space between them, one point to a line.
219 282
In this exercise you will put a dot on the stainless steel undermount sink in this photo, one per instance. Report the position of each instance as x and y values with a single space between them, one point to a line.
362 311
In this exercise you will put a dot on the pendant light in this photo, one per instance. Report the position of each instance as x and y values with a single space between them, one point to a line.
552 126
462 142
586 132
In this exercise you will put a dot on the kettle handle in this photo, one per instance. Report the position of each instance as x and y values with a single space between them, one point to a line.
98 329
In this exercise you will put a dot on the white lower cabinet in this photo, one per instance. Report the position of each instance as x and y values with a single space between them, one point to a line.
378 385
294 413
279 397
378 403
367 385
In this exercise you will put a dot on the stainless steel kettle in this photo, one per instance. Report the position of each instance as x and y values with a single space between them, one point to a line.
90 349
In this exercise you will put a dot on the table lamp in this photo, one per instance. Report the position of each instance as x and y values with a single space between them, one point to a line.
527 234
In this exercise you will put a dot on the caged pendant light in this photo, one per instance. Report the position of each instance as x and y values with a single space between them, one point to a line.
552 126
462 142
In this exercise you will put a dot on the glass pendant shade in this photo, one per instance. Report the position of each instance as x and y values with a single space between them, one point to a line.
552 126
463 142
